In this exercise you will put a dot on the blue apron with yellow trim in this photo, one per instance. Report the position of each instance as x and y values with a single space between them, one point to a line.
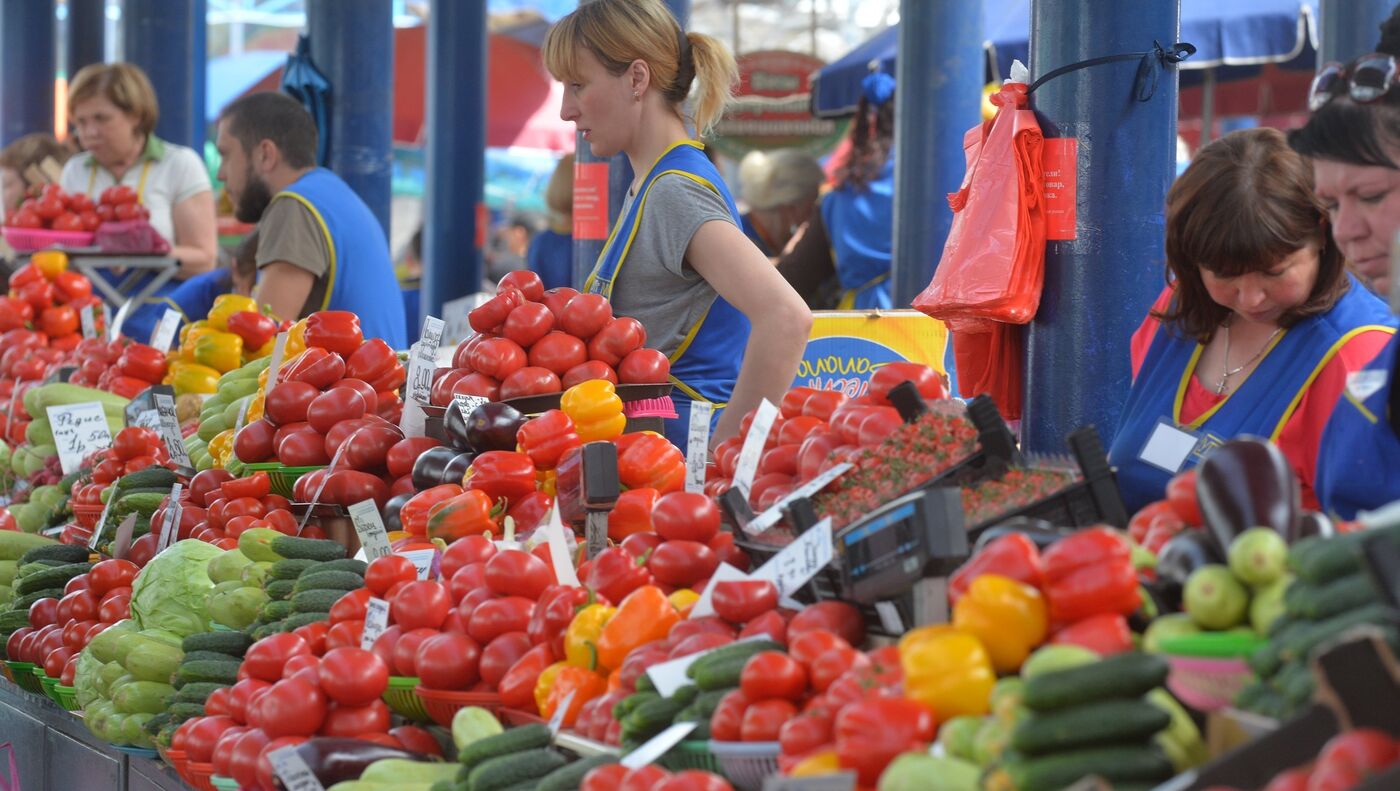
706 364
1358 459
750 230
860 224
192 299
1261 406
361 274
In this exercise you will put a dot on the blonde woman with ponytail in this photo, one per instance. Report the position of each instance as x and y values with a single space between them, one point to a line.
677 260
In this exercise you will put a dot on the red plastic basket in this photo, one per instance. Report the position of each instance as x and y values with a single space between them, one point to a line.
27 240
86 515
199 775
442 705
177 759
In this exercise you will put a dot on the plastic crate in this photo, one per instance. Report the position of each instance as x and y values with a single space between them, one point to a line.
1093 500
67 697
86 515
224 783
23 674
691 755
402 697
199 775
284 478
747 764
145 752
27 240
442 705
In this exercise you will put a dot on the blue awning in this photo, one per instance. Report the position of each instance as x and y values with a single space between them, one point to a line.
228 77
1234 37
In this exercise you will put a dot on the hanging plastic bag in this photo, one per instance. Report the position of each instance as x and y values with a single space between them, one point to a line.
987 357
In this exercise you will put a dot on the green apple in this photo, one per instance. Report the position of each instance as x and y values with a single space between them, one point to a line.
1165 627
1267 605
1049 658
1258 556
1214 598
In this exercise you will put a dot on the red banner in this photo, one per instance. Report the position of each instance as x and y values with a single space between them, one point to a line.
591 200
1061 160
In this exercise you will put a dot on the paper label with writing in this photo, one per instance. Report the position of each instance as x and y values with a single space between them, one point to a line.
370 527
87 318
170 430
423 361
289 767
413 421
423 561
799 561
101 523
169 526
752 450
656 746
121 544
242 416
467 404
557 721
773 513
376 621
889 617
149 418
704 606
114 327
78 429
279 350
164 334
564 572
697 446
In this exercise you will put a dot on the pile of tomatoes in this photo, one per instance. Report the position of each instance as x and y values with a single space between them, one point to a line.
1347 760
59 628
55 210
530 341
49 300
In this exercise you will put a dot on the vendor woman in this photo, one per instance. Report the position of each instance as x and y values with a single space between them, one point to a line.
677 260
1259 327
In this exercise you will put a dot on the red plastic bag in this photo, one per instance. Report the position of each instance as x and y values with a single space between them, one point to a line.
987 357
136 236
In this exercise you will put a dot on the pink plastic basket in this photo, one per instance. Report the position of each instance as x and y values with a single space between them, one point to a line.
1207 683
27 240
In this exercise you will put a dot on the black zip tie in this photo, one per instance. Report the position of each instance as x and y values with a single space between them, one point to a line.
1150 65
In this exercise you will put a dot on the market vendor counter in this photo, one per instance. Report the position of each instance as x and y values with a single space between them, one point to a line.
54 751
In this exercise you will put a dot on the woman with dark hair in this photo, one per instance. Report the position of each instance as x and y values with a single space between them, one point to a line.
1260 322
1353 140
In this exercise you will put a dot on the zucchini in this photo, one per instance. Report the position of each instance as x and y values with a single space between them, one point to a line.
1318 602
54 577
568 778
1099 723
293 547
329 580
720 655
196 692
317 601
68 553
502 772
278 590
290 569
207 670
1127 675
234 643
514 740
1114 764
16 545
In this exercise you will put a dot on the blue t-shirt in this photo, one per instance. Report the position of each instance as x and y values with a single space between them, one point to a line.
551 256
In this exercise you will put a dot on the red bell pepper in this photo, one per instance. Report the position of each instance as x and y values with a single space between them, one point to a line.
518 687
555 610
545 439
649 460
467 514
414 514
530 511
1104 634
143 362
1088 573
334 330
614 573
315 366
631 513
502 474
1013 555
254 328
372 360
871 733
72 286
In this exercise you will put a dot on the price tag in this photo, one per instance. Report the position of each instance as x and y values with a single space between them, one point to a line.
889 617
370 526
376 621
423 361
149 418
101 523
747 466
564 572
670 676
838 781
279 350
697 445
557 721
704 605
114 326
164 333
170 430
467 404
799 561
413 421
87 317
169 526
423 560
774 512
289 767
121 545
656 746
79 429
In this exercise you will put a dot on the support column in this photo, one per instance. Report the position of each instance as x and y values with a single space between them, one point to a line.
27 68
1349 28
87 21
938 96
456 156
1099 286
352 42
199 62
159 36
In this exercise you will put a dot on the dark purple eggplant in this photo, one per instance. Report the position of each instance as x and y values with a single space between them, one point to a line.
1039 531
1184 553
1244 483
1313 523
489 427
457 468
427 469
336 760
392 509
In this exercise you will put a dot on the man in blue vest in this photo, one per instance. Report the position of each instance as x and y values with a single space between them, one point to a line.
320 247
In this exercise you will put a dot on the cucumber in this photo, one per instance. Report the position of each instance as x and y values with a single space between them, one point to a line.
686 694
300 619
210 656
290 569
144 503
653 716
1099 723
196 692
235 643
1320 560
153 477
22 602
11 620
185 711
68 553
54 577
1127 675
502 772
723 674
345 564
1319 632
279 589
514 740
276 610
329 580
1317 602
317 601
744 649
293 547
267 629
1114 764
568 778
630 703
644 683
206 670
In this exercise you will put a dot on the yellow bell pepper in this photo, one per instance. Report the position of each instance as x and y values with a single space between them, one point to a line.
595 409
221 447
226 305
581 638
546 481
255 407
683 599
193 378
186 329
947 670
296 340
222 351
50 263
1008 616
823 762
191 339
545 684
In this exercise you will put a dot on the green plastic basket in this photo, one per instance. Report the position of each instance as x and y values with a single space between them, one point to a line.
284 478
48 684
691 755
224 783
404 701
23 673
67 697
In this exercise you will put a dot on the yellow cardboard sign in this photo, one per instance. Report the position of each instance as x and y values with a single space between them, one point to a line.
847 346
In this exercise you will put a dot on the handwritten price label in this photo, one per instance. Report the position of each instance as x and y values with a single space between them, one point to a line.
697 447
747 466
79 429
370 527
376 621
799 561
170 526
164 334
289 767
771 515
169 430
467 404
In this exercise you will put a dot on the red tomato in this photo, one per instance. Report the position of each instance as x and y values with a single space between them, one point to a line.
763 720
416 739
1181 493
686 516
78 606
526 282
383 573
401 456
291 707
12 643
515 572
201 737
805 733
448 661
299 663
495 617
352 721
353 677
219 702
1348 757
421 603
1295 779
304 448
464 552
529 381
585 315
478 385
558 352
288 402
643 778
55 660
682 563
241 694
740 601
593 369
833 616
528 323
243 759
351 607
497 358
266 657
693 780
204 483
43 612
617 339
806 647
644 366
556 298
333 406
727 722
604 778
343 634
773 674
405 650
109 574
500 655
770 623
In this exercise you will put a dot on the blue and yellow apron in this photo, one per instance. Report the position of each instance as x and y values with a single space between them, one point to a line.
1261 406
860 225
746 224
360 277
1358 459
705 365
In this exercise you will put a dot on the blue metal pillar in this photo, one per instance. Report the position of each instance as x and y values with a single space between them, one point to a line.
159 36
352 42
27 68
199 61
456 157
87 21
1099 285
1350 28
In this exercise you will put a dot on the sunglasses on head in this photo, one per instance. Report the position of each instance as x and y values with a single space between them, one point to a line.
1365 80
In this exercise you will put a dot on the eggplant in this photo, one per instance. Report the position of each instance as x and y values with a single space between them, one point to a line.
1244 483
336 760
392 509
1313 523
456 469
489 427
1039 531
1184 553
427 468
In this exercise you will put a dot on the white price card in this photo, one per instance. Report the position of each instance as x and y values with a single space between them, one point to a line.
79 429
467 404
114 326
121 545
773 513
149 418
557 721
289 767
370 527
670 676
747 466
376 621
705 604
170 430
101 522
87 317
279 350
564 572
799 561
656 746
170 526
889 617
423 362
423 560
163 336
413 421
838 781
697 445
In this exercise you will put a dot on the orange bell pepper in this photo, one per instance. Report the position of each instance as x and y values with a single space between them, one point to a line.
50 262
947 670
582 683
645 615
1008 616
545 684
595 409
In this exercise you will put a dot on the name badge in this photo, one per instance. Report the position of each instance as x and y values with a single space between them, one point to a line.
1168 446
1366 383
